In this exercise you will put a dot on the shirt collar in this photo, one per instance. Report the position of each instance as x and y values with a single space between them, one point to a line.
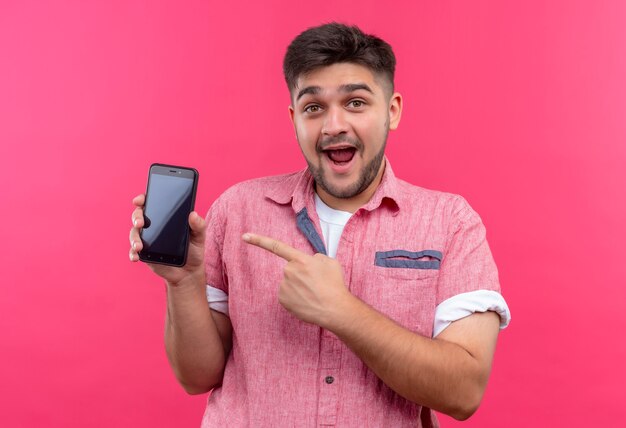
298 189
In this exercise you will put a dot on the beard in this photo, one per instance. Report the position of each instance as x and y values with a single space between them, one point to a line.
366 175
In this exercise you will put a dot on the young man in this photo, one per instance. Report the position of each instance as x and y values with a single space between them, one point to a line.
338 295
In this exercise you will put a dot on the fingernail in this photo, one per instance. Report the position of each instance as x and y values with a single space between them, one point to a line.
135 222
131 257
246 237
134 245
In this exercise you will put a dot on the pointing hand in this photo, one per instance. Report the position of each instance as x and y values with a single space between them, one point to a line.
312 288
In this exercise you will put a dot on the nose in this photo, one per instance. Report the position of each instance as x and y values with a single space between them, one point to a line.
334 122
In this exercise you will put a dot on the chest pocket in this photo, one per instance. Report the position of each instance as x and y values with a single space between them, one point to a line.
404 287
403 263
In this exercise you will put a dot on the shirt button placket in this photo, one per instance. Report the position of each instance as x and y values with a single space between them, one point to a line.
331 347
330 362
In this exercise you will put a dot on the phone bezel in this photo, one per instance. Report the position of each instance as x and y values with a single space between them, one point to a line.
179 172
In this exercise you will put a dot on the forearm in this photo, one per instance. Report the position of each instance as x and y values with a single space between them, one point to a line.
192 340
434 373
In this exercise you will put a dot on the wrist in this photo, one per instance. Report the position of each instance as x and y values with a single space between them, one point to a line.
190 281
342 313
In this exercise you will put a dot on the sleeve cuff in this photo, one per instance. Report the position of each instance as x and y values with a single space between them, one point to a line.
465 304
218 300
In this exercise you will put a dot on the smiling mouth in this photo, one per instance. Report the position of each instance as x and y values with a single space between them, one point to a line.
340 156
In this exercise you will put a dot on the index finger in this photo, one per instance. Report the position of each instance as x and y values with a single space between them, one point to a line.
139 200
272 245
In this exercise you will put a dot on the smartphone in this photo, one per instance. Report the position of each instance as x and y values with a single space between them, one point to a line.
170 198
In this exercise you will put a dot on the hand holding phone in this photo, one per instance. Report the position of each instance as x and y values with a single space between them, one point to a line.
170 234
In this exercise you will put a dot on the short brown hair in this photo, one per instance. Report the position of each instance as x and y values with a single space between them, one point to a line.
334 43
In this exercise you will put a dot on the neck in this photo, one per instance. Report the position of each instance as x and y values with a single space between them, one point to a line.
354 203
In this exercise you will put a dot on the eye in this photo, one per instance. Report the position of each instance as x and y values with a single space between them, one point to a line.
312 108
356 103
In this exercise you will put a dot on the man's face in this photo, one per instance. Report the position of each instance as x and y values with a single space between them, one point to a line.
342 115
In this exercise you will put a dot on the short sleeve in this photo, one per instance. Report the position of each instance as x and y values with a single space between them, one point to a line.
467 263
213 247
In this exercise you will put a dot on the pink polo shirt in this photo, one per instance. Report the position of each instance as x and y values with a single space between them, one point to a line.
404 253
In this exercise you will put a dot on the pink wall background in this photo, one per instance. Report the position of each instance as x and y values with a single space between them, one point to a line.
518 106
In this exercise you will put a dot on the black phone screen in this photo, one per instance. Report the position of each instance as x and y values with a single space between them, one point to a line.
169 200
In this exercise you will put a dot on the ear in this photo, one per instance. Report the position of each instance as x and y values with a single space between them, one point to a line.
291 117
291 111
395 110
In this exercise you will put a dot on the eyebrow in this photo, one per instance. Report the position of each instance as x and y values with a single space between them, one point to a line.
347 88
313 90
351 87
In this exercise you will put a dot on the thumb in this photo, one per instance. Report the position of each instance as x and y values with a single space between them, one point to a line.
198 229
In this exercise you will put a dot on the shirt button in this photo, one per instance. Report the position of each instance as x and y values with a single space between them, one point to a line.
329 379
